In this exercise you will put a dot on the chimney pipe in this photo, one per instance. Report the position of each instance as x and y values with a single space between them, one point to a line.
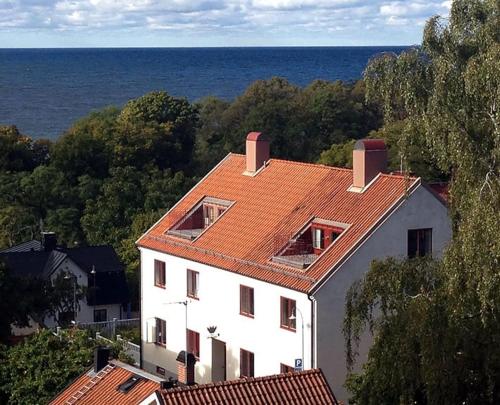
185 368
257 152
369 158
101 357
49 241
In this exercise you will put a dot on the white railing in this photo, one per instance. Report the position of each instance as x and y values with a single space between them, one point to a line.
110 328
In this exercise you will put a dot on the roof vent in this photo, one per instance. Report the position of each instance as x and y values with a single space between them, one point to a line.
129 384
101 356
369 158
257 152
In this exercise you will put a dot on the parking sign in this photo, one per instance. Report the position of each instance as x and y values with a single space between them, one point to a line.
298 365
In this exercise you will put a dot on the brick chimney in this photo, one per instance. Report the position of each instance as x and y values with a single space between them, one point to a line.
369 158
257 152
185 368
49 241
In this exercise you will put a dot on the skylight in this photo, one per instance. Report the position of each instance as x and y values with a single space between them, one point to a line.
201 217
309 243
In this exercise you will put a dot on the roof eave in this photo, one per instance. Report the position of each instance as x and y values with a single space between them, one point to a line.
316 286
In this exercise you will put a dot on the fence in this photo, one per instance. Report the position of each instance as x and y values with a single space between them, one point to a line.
131 349
110 329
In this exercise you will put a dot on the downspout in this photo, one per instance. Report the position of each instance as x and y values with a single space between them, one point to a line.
314 305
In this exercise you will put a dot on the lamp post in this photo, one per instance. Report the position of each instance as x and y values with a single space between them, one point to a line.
69 276
185 303
293 317
93 272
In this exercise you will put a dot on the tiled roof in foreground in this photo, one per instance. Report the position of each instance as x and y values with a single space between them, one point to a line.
271 207
300 388
102 388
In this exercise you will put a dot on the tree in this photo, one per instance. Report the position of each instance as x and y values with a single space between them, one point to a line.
448 90
34 371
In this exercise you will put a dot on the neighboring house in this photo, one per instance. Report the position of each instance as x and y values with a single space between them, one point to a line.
96 268
249 270
110 383
300 388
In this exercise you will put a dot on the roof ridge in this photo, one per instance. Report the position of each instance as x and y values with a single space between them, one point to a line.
296 162
244 380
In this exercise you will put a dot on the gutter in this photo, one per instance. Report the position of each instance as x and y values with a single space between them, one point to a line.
314 308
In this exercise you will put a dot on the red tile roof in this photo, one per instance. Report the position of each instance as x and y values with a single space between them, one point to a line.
102 388
300 388
270 208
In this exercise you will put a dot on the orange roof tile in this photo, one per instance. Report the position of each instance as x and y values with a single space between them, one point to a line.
89 389
270 208
300 388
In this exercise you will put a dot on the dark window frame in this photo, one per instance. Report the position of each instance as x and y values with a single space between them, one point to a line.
419 242
193 342
160 274
287 309
247 301
247 363
192 280
160 332
98 312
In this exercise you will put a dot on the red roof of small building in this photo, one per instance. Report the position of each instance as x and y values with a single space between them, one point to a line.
102 388
300 388
272 207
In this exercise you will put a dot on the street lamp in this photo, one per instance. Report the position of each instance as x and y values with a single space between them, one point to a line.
185 303
293 317
69 276
93 272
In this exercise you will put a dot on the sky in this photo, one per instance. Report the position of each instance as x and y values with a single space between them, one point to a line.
191 23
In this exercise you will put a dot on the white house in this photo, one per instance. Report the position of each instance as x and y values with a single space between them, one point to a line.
250 269
97 269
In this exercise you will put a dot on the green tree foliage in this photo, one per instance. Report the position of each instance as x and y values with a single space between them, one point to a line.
448 93
36 370
20 153
21 299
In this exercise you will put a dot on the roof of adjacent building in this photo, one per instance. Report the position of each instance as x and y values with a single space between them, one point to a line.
110 281
299 388
102 387
270 208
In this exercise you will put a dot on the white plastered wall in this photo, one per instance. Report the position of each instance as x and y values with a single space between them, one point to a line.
219 305
420 210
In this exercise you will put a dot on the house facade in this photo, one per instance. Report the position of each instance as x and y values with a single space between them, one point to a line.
96 270
249 271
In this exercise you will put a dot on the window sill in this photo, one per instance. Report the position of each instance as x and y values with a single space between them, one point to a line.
161 286
247 315
289 329
193 297
160 344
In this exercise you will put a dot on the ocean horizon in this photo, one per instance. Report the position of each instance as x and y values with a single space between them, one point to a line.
43 91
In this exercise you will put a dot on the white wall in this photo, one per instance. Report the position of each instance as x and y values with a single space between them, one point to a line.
219 305
420 210
86 312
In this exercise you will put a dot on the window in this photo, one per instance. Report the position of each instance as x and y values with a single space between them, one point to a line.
286 369
192 283
246 363
318 242
193 342
100 315
160 370
419 242
246 301
287 310
161 332
159 273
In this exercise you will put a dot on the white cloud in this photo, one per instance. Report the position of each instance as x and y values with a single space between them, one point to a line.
276 17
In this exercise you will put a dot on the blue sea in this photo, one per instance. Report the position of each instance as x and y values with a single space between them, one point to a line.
44 91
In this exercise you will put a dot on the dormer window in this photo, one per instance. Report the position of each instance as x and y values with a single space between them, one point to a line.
201 217
303 249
